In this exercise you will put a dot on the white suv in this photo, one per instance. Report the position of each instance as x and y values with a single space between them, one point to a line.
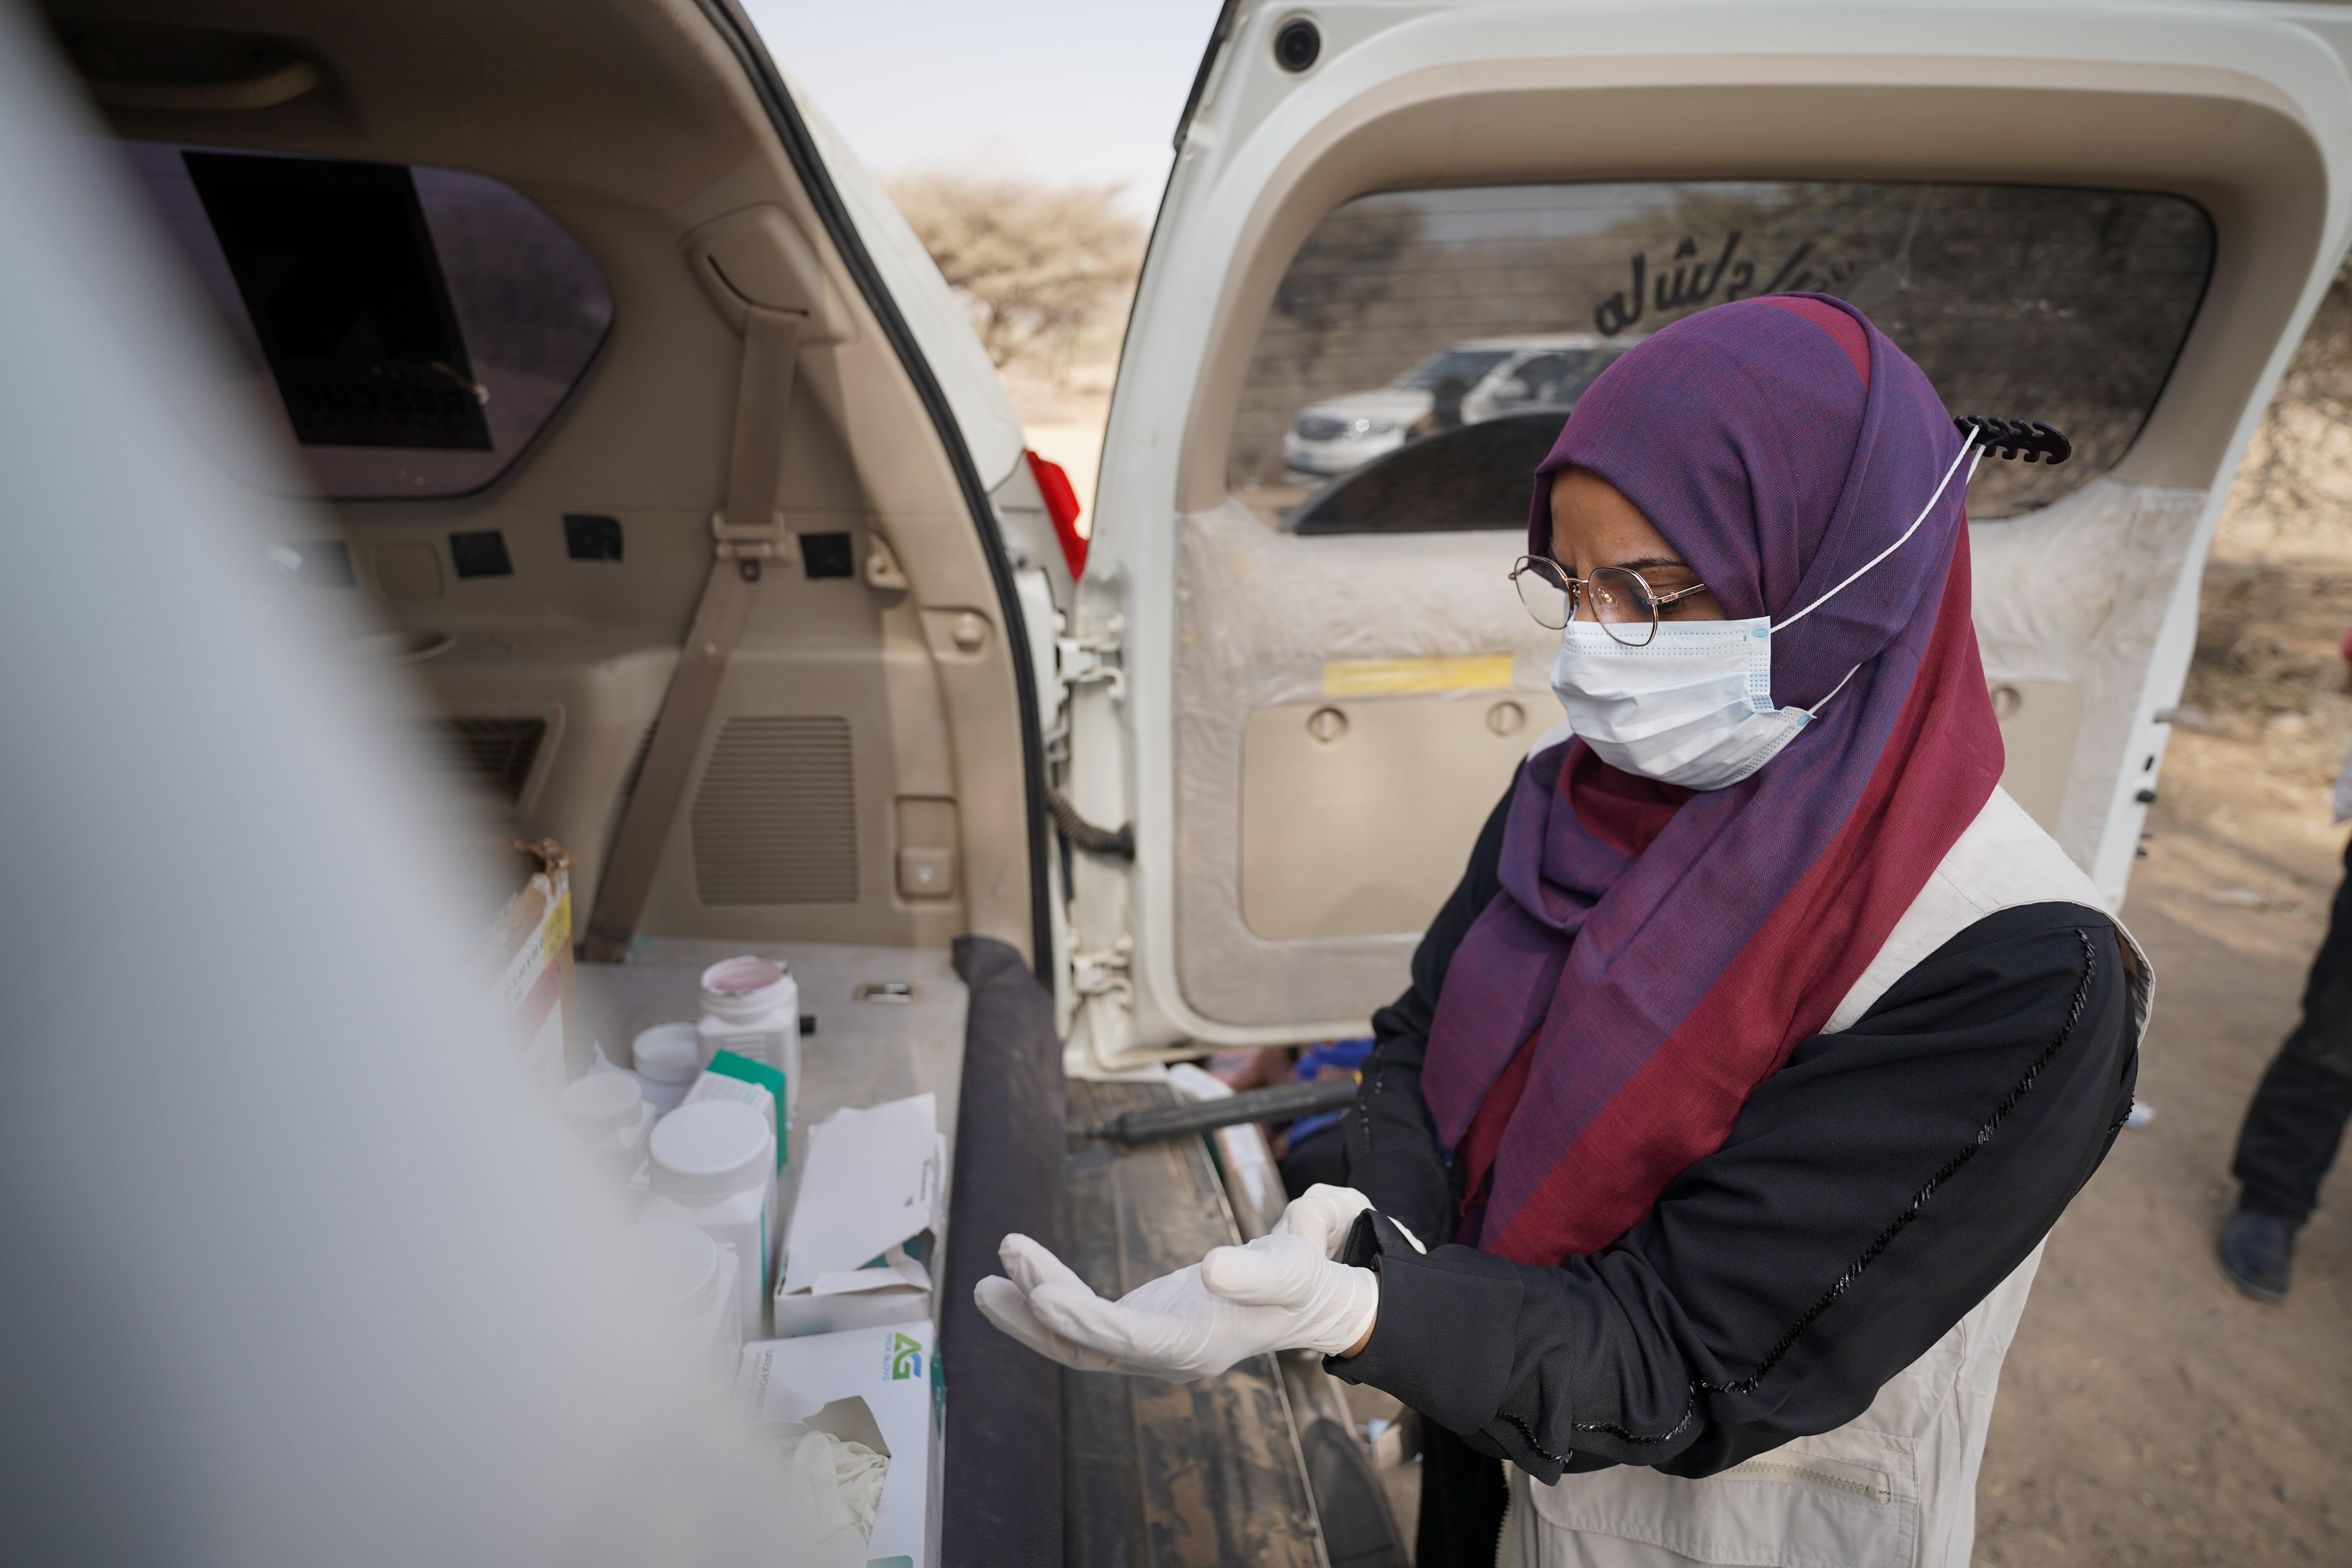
1462 384
607 384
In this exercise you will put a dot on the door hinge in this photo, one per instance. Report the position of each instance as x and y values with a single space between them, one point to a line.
1103 973
1100 658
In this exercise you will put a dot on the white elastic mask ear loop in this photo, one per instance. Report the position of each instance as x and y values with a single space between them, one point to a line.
1967 446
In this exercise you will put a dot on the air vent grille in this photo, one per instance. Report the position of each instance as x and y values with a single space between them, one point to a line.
496 753
775 821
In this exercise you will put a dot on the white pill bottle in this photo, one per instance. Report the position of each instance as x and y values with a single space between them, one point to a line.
608 1113
668 1057
690 1282
752 1006
713 1166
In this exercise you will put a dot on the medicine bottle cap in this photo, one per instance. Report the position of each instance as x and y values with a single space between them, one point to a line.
677 1264
710 1148
602 1103
667 1052
743 979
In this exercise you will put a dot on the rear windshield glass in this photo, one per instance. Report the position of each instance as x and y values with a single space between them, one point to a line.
1412 322
408 331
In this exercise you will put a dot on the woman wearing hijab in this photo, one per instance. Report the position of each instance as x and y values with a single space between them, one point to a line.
1761 1044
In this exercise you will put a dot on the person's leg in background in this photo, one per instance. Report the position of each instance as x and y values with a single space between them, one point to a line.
2295 1124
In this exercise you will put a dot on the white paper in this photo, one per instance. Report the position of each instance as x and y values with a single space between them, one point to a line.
873 1180
908 1268
895 1269
844 1281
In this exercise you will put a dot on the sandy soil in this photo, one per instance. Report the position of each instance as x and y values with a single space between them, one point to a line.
2148 1412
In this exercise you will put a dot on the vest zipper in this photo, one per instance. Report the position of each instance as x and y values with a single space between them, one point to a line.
1510 1502
1789 1471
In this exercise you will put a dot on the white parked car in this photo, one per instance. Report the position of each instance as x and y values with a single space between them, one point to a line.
1335 435
1546 372
1470 381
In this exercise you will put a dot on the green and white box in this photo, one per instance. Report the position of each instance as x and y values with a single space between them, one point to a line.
893 1369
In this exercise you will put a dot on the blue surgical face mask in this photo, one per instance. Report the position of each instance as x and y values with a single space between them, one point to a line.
1694 706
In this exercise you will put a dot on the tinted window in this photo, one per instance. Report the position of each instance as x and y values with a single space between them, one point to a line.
1475 475
1543 373
1463 367
2065 306
408 329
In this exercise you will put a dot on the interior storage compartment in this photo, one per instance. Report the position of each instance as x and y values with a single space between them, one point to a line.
877 1022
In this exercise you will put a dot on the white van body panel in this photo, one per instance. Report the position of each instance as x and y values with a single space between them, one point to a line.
991 431
1268 154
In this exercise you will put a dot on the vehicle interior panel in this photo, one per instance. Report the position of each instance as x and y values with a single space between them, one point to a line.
638 133
870 1041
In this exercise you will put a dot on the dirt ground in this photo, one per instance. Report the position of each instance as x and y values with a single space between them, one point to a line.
2148 1412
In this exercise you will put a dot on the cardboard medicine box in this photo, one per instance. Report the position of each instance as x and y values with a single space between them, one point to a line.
865 1220
894 1369
524 957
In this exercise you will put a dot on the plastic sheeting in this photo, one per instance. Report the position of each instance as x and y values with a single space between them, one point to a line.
2076 592
1259 613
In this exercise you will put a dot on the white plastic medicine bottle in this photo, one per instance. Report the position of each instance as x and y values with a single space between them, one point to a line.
607 1111
713 1166
752 1006
690 1280
667 1057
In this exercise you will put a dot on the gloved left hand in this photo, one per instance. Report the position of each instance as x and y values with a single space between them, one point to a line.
1277 1293
1324 1215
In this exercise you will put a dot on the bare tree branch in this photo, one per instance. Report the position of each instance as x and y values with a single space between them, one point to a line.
1035 264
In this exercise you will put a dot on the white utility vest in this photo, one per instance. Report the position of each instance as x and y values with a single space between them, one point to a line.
1895 1487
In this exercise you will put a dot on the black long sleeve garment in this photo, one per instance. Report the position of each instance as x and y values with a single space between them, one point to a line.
1872 1192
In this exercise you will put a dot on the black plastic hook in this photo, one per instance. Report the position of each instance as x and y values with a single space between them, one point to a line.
2033 441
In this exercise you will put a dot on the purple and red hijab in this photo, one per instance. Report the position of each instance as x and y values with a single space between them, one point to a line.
1656 954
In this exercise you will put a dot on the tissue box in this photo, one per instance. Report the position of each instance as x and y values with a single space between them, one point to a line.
893 1371
859 1250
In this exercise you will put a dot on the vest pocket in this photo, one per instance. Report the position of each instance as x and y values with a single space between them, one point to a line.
1795 1506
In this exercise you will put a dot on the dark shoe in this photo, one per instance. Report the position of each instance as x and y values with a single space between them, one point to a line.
2257 1252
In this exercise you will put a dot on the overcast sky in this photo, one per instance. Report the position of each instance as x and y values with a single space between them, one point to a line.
1055 89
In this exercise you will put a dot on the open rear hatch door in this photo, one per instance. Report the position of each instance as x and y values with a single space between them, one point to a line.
1392 254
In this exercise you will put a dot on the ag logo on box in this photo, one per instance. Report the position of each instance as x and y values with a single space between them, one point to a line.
905 1357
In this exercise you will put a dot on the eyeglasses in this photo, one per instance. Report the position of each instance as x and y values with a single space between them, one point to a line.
1621 599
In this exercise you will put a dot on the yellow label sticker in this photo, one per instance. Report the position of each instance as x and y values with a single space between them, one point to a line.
555 934
1387 676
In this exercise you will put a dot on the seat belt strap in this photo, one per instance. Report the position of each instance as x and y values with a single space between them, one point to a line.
747 532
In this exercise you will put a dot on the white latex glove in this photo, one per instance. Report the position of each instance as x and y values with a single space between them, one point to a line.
1324 1215
1277 1293
1006 1302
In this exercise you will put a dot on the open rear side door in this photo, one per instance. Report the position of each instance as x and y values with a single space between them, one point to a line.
2113 219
